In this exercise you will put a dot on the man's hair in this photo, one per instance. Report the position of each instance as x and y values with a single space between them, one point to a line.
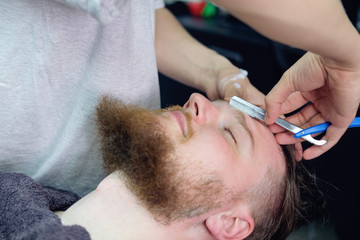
277 203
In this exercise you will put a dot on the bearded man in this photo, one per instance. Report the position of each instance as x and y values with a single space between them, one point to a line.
201 171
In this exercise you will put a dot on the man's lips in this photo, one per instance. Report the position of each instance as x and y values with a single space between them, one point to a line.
180 119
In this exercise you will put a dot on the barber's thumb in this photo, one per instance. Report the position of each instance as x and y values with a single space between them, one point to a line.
275 99
272 111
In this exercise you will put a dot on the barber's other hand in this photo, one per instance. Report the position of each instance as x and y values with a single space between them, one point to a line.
236 83
333 90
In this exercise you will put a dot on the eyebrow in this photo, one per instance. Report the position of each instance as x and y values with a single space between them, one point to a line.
240 116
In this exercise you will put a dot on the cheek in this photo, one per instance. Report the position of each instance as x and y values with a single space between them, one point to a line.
269 150
209 151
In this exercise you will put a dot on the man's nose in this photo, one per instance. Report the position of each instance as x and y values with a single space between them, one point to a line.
202 110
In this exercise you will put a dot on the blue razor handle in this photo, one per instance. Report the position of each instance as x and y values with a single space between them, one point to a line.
322 127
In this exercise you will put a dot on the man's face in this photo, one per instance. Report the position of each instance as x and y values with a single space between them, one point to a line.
215 138
182 162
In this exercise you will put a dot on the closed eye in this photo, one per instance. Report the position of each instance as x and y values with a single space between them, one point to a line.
231 134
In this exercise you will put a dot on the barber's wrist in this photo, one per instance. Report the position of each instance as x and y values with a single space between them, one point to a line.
234 80
347 55
219 69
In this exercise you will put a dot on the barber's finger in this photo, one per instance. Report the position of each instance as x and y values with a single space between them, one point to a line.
285 138
276 98
304 116
333 134
274 128
293 102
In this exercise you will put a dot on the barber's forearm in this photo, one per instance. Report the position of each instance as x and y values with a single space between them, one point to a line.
319 26
184 59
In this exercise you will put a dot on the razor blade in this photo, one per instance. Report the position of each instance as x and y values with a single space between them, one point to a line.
259 113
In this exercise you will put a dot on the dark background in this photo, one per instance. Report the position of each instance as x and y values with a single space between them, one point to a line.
338 170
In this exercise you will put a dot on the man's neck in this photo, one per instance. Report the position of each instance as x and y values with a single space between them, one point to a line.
112 212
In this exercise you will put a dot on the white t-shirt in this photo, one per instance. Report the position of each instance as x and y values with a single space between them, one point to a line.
56 58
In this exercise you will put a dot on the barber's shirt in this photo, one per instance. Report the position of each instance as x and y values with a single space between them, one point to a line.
56 58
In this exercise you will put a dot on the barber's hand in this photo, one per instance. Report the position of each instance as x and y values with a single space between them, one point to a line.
236 83
332 89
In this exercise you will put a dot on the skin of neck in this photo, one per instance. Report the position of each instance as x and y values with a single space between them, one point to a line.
113 212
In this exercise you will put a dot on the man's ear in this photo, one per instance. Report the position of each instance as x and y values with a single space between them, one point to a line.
234 225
